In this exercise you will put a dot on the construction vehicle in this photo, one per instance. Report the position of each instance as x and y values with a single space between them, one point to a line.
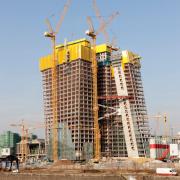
52 35
166 171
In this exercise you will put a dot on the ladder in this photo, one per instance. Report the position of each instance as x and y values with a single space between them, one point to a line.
124 110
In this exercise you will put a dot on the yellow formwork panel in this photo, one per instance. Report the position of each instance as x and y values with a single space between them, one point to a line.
75 51
102 48
45 63
83 42
112 71
125 58
79 49
130 57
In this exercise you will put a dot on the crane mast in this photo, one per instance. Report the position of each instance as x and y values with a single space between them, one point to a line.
95 102
92 34
54 100
24 140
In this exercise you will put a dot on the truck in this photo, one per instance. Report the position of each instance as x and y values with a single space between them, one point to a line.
166 171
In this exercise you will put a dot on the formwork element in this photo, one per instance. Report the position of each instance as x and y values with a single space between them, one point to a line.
74 94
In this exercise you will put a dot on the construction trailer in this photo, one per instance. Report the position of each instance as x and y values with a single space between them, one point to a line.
159 147
124 127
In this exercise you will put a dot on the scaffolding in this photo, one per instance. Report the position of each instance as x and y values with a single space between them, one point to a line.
138 107
74 98
125 134
124 131
112 137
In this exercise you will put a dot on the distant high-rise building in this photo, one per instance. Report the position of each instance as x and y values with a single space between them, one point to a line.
9 139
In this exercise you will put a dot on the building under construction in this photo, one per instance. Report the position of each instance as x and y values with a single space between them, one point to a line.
122 111
124 130
32 148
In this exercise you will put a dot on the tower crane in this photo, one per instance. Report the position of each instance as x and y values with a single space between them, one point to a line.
160 118
24 138
174 126
102 22
93 34
52 35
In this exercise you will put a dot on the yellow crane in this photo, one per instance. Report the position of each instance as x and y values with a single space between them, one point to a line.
24 139
92 34
160 118
102 22
52 35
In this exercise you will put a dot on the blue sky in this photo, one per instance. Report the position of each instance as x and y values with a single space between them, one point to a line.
150 28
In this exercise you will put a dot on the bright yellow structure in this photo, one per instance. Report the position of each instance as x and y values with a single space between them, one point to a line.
112 71
102 48
79 49
130 57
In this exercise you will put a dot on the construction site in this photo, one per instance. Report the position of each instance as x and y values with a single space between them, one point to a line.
122 130
94 103
95 115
